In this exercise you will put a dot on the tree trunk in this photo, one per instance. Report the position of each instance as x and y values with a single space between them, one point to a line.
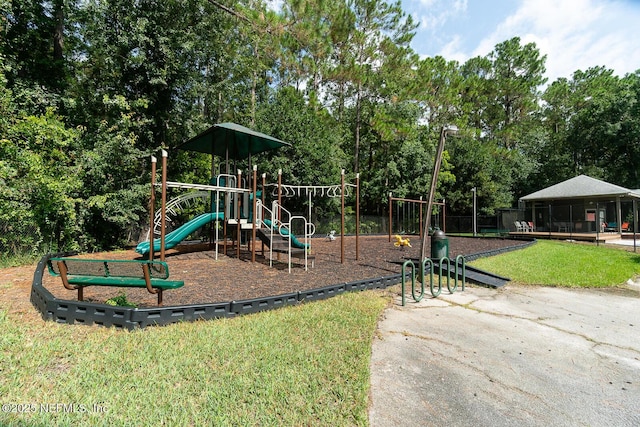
58 32
356 150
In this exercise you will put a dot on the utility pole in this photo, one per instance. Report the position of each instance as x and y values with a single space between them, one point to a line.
446 130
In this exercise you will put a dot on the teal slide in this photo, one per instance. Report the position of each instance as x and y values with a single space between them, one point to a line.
285 232
179 234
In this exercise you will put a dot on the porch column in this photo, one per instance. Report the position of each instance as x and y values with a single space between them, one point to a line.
533 214
619 214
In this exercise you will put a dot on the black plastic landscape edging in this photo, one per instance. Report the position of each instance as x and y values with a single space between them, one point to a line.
130 318
492 252
81 312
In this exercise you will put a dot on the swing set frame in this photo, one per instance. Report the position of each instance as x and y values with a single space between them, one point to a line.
420 202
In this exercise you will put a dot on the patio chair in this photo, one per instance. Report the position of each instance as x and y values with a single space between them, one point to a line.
519 227
531 226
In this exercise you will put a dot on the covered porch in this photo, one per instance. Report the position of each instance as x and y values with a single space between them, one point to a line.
581 208
582 237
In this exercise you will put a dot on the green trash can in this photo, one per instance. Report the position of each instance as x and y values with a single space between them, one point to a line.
439 245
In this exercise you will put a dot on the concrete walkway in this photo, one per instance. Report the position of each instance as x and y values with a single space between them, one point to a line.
518 356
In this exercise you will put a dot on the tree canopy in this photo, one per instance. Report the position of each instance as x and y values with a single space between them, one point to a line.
89 90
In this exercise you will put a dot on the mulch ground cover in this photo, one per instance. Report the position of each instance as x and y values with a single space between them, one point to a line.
230 278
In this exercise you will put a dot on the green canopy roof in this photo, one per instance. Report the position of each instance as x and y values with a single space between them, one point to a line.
232 141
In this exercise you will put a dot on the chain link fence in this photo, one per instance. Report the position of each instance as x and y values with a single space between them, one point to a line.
24 238
21 238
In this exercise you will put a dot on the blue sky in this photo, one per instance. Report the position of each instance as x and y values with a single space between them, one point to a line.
574 34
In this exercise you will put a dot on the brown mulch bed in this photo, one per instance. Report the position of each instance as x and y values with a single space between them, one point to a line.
228 278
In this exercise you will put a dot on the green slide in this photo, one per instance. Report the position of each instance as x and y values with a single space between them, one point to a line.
179 234
285 232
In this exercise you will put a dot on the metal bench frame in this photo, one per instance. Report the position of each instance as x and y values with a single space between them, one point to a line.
76 280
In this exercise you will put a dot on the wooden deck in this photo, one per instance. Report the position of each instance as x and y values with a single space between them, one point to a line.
583 237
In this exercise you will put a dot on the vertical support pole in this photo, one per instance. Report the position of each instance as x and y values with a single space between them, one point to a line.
255 214
420 220
264 185
390 214
432 191
238 205
278 214
279 193
217 223
307 236
475 207
152 206
357 215
634 205
163 220
551 223
444 215
598 222
570 222
342 217
264 190
619 215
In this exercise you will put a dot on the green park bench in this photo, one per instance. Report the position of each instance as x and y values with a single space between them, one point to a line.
78 273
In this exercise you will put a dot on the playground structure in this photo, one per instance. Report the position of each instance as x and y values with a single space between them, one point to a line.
406 216
237 208
237 211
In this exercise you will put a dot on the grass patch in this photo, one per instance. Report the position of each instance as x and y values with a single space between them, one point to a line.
567 264
120 300
301 365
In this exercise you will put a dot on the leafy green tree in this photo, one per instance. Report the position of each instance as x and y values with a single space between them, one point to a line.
305 43
606 126
316 157
500 100
32 43
436 88
115 191
171 60
517 74
589 121
39 185
366 25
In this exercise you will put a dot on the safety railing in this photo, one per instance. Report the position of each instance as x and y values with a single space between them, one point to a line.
427 264
281 221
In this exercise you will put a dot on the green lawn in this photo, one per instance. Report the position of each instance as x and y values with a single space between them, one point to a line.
302 365
555 263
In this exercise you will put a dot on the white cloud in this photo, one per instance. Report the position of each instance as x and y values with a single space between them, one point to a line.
452 51
427 3
574 34
434 14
